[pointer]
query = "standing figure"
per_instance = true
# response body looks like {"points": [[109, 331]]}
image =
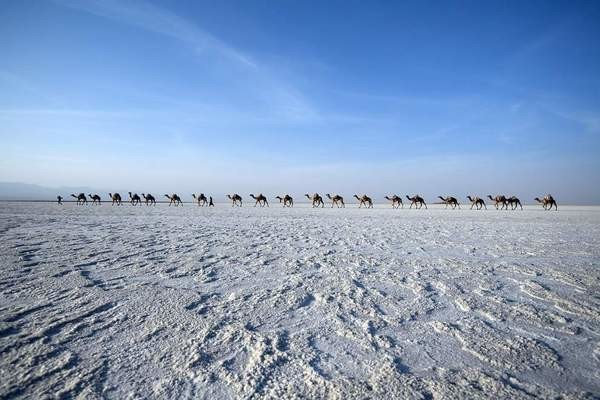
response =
{"points": [[59, 198]]}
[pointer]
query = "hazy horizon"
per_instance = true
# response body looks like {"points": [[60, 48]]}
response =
{"points": [[344, 97], [15, 191]]}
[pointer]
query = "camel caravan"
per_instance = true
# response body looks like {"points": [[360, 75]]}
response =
{"points": [[500, 202]]}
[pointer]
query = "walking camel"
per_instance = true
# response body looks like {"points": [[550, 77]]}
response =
{"points": [[396, 201], [201, 199], [261, 200], [417, 201], [364, 200], [116, 198], [336, 200], [174, 199], [236, 199], [499, 199], [135, 199], [514, 202], [81, 199], [287, 200], [95, 199], [547, 202], [149, 199], [316, 200], [477, 202], [450, 201]]}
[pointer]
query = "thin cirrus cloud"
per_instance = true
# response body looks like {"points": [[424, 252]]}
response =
{"points": [[161, 21], [281, 98]]}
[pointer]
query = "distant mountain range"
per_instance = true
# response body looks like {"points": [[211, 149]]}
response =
{"points": [[26, 191]]}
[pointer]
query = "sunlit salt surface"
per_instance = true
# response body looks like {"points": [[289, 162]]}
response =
{"points": [[255, 302]]}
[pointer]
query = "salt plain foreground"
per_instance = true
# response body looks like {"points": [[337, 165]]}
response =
{"points": [[141, 302]]}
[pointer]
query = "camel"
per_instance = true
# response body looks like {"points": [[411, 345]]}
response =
{"points": [[201, 199], [547, 202], [59, 198], [287, 200], [95, 199], [261, 200], [236, 199], [174, 199], [477, 202], [81, 199], [450, 201], [135, 199], [364, 200], [149, 199], [499, 199], [514, 202], [396, 201], [417, 201], [116, 198], [336, 200], [316, 200]]}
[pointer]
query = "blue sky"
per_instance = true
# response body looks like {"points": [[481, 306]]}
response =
{"points": [[299, 96]]}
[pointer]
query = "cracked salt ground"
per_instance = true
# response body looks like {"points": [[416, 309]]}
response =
{"points": [[113, 302]]}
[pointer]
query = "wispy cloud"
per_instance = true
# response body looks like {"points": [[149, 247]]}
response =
{"points": [[161, 21], [281, 98], [589, 120]]}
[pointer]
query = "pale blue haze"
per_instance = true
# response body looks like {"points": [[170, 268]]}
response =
{"points": [[299, 96]]}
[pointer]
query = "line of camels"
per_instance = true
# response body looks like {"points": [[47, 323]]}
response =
{"points": [[500, 201]]}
